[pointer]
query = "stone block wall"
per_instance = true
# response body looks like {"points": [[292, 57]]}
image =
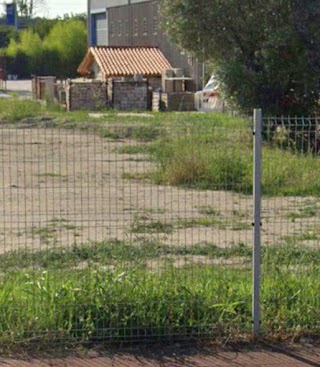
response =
{"points": [[130, 95], [91, 96]]}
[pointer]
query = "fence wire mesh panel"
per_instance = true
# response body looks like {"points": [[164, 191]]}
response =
{"points": [[291, 225], [135, 230]]}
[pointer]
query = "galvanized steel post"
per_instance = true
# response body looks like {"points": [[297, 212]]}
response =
{"points": [[257, 154]]}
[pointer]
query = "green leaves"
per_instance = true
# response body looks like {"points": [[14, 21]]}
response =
{"points": [[264, 54], [58, 53]]}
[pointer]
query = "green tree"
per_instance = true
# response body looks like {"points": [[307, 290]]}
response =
{"points": [[43, 26], [6, 34], [29, 49], [306, 20], [80, 16], [257, 51], [68, 39], [58, 53]]}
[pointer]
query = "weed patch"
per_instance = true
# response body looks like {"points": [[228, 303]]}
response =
{"points": [[47, 234], [308, 235], [137, 149], [53, 175], [209, 211], [14, 110], [308, 211], [141, 133], [220, 223], [141, 225]]}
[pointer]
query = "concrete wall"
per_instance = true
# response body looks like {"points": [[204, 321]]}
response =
{"points": [[119, 26]]}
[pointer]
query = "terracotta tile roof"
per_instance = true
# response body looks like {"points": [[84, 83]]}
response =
{"points": [[125, 61]]}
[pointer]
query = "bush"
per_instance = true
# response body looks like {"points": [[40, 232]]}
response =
{"points": [[272, 86]]}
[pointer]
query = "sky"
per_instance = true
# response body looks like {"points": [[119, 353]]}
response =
{"points": [[55, 8]]}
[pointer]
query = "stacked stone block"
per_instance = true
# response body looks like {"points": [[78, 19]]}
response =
{"points": [[130, 95], [90, 96]]}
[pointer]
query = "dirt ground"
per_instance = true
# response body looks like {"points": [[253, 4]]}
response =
{"points": [[60, 187]]}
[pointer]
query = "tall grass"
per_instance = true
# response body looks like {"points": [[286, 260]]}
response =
{"points": [[221, 158], [121, 302], [14, 110], [206, 159], [287, 173]]}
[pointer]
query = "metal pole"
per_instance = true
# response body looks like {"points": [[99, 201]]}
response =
{"points": [[257, 153]]}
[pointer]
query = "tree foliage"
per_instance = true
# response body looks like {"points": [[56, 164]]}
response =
{"points": [[58, 53], [306, 17], [25, 54], [69, 40], [43, 26], [263, 53], [6, 34]]}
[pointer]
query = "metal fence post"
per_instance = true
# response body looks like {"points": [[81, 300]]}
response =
{"points": [[257, 154]]}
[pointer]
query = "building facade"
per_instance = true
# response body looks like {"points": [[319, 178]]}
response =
{"points": [[137, 23]]}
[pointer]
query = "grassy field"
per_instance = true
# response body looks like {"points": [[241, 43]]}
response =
{"points": [[192, 149], [142, 288], [104, 291]]}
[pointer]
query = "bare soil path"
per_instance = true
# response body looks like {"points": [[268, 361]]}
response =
{"points": [[60, 187]]}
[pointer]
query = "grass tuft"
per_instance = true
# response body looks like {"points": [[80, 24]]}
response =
{"points": [[14, 110], [143, 225]]}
